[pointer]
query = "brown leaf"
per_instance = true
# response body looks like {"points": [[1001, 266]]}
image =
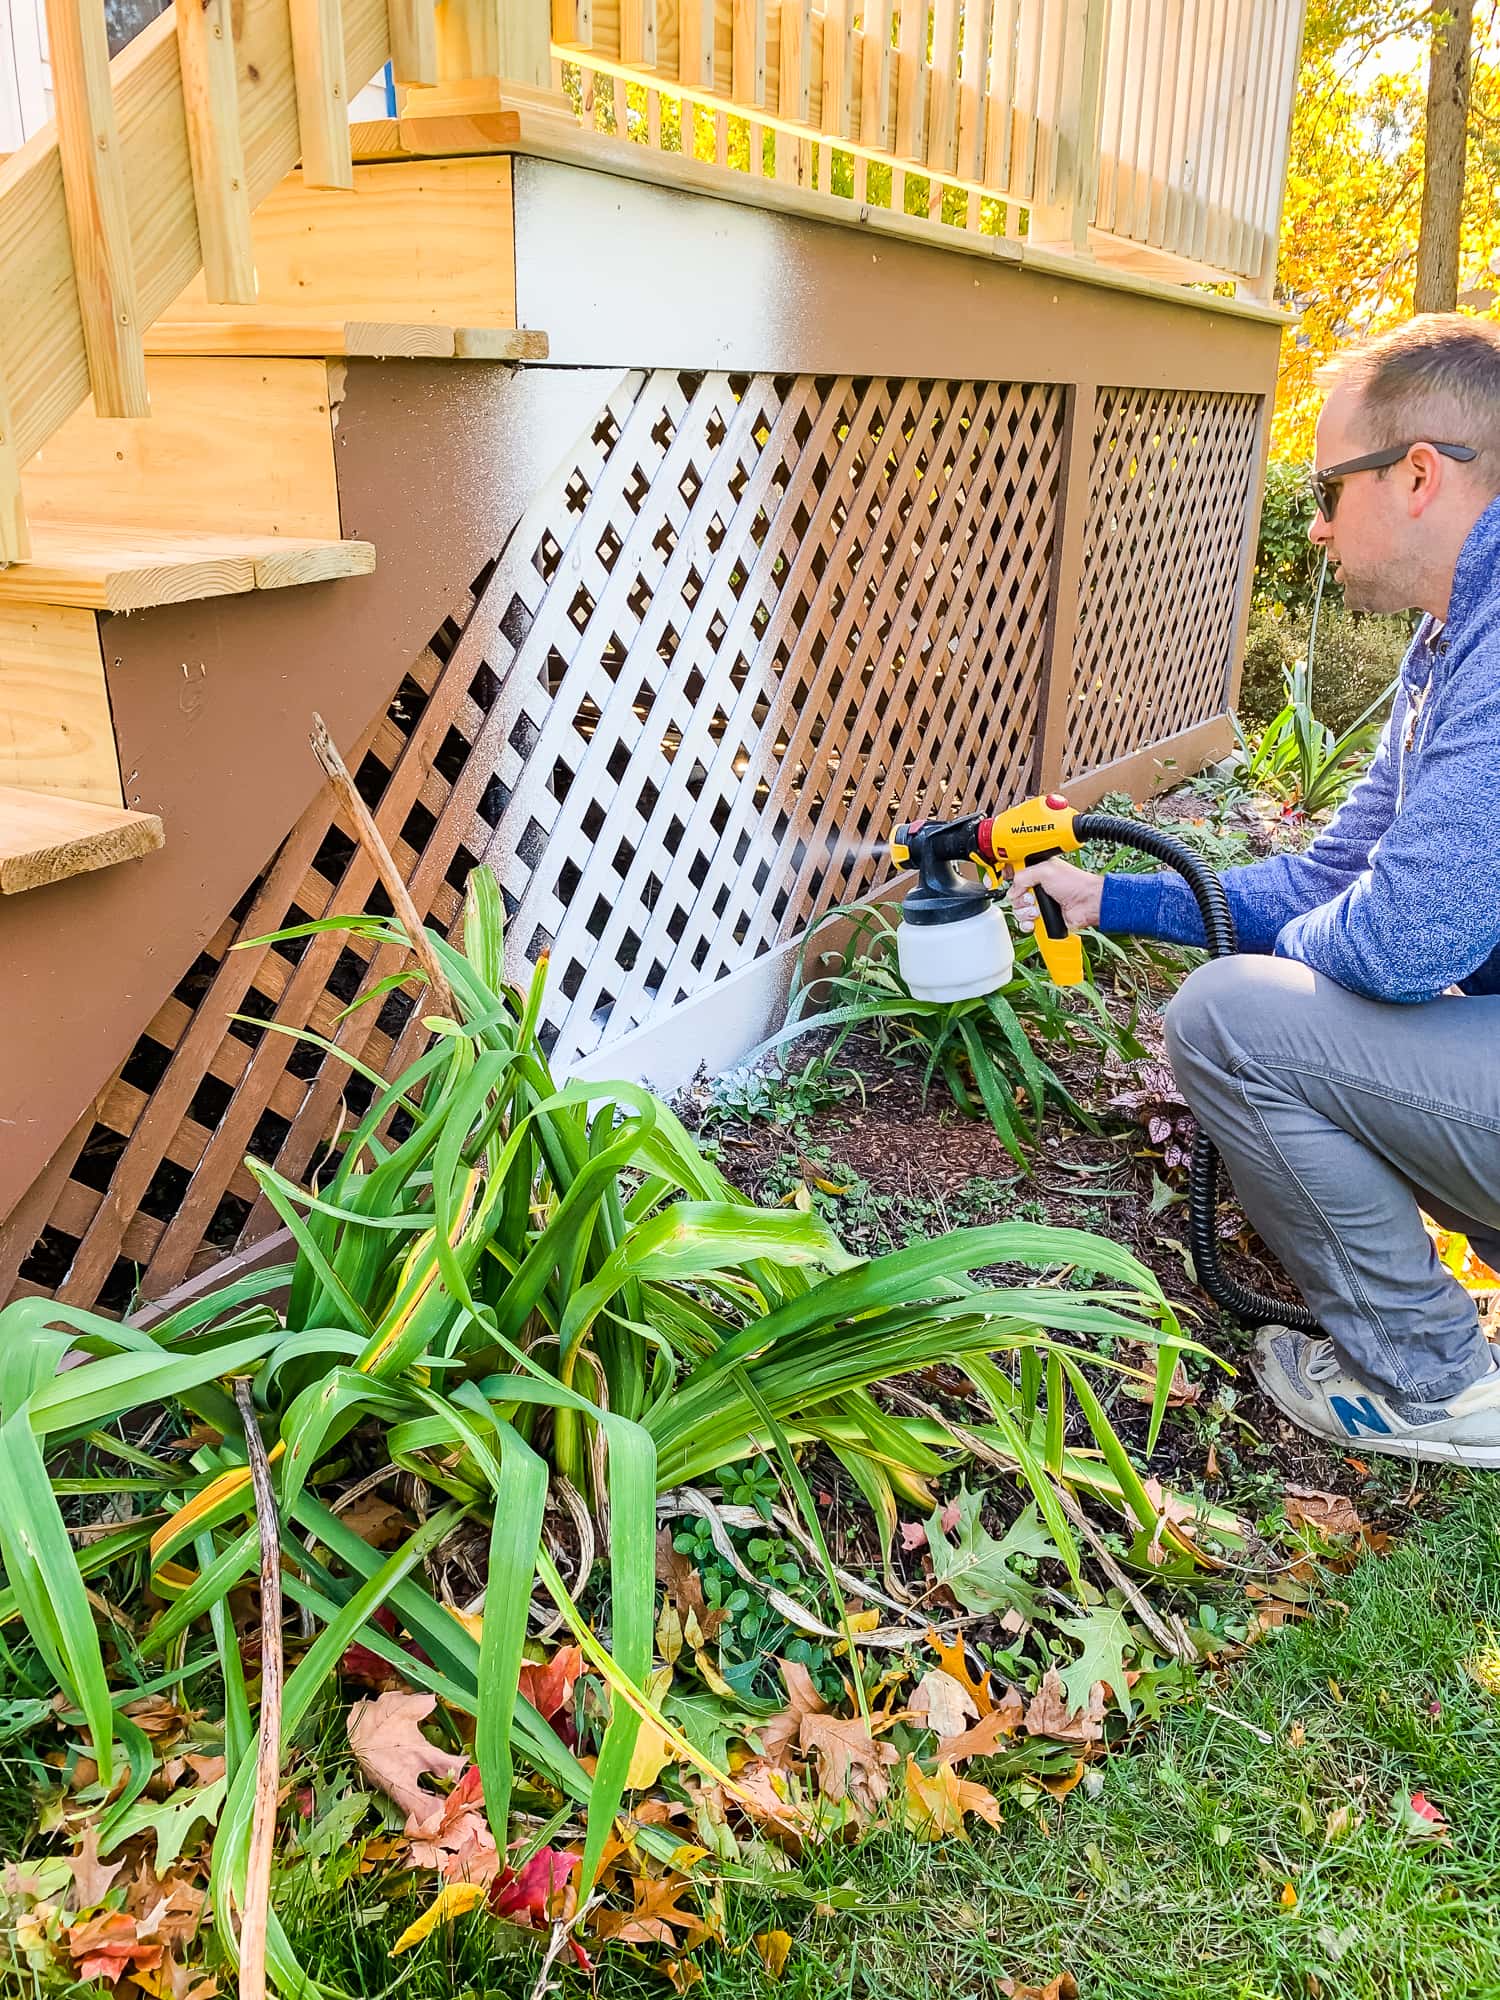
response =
{"points": [[1049, 1713], [955, 1661], [936, 1806], [684, 1587], [456, 1839], [375, 1520], [985, 1738], [656, 1918], [944, 1703], [159, 1717], [1063, 1987], [91, 1878], [850, 1763], [779, 1732], [108, 1947], [387, 1741], [1329, 1513]]}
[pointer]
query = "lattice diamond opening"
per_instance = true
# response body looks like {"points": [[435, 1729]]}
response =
{"points": [[1169, 495], [748, 624]]}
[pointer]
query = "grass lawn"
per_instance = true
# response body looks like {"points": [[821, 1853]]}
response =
{"points": [[1172, 1881]]}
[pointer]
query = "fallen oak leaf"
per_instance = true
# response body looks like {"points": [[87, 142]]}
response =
{"points": [[955, 1661], [1050, 1713], [944, 1703], [91, 1878], [456, 1839], [540, 1894], [985, 1738], [778, 1733], [549, 1687], [655, 1917], [850, 1763], [1328, 1513], [454, 1899], [386, 1738], [937, 1805], [108, 1947], [1063, 1987]]}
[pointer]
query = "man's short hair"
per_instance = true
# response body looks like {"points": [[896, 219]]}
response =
{"points": [[1436, 378]]}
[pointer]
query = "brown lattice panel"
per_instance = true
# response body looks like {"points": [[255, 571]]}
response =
{"points": [[749, 623], [1169, 496]]}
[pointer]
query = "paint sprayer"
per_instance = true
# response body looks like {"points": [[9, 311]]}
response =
{"points": [[954, 944]]}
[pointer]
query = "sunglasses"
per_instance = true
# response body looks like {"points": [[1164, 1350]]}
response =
{"points": [[1325, 485]]}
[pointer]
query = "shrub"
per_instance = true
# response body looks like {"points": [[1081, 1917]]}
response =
{"points": [[1356, 658]]}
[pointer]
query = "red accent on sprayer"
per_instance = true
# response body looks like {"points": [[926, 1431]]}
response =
{"points": [[1056, 802], [982, 838]]}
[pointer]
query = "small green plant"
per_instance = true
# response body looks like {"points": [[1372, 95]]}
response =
{"points": [[982, 1048], [748, 1095], [1299, 757]]}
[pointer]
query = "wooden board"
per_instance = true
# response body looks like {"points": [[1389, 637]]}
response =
{"points": [[429, 242], [340, 339], [231, 445], [56, 735], [46, 840], [122, 570]]}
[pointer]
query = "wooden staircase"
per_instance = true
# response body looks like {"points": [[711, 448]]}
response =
{"points": [[166, 437]]}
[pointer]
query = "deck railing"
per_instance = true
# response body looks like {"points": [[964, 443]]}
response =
{"points": [[1151, 132], [1133, 128]]}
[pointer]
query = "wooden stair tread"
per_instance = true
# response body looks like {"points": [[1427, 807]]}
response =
{"points": [[337, 339], [45, 839], [100, 568]]}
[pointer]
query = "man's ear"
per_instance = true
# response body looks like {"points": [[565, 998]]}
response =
{"points": [[1424, 470]]}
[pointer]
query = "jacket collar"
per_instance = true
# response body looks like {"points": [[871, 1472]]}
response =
{"points": [[1474, 572]]}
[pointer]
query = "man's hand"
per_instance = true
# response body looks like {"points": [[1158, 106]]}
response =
{"points": [[1076, 892]]}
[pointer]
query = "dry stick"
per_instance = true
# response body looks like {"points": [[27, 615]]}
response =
{"points": [[256, 1907], [373, 842]]}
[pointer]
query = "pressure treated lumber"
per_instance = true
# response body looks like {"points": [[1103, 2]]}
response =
{"points": [[56, 732], [336, 339], [46, 840], [426, 242], [211, 106], [232, 444], [99, 223], [114, 569]]}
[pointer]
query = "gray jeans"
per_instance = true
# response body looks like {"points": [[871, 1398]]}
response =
{"points": [[1335, 1117]]}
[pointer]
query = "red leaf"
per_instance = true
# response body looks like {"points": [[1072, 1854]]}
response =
{"points": [[1422, 1806], [529, 1899], [549, 1688]]}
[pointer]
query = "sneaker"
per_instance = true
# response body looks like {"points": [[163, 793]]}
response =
{"points": [[1307, 1382]]}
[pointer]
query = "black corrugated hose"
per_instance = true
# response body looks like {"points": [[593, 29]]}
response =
{"points": [[1249, 1307]]}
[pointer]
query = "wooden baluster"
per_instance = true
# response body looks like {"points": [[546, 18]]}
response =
{"points": [[838, 68], [875, 79], [973, 95], [413, 28], [638, 33], [88, 143], [211, 106], [911, 83], [794, 69], [322, 93], [1063, 204], [942, 94], [748, 37], [695, 43]]}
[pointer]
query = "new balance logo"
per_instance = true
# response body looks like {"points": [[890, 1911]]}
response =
{"points": [[1360, 1416]]}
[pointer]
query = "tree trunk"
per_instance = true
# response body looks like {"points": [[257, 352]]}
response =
{"points": [[1446, 145]]}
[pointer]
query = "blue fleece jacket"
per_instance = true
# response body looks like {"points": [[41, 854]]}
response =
{"points": [[1399, 897]]}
